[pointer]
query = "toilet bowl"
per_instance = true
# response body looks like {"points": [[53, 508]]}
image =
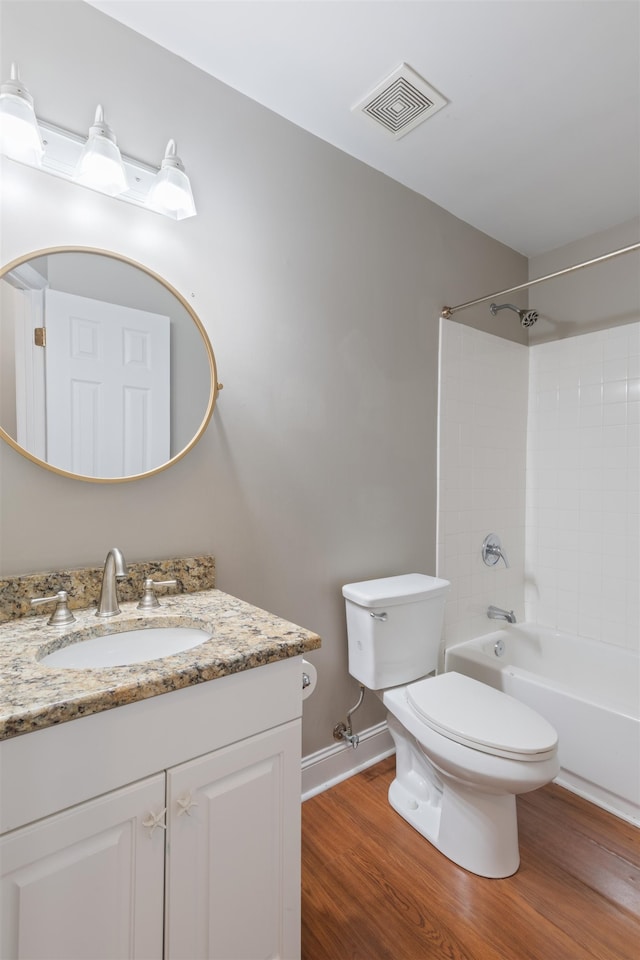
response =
{"points": [[463, 749], [463, 753]]}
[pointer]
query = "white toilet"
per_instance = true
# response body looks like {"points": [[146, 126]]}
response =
{"points": [[463, 750]]}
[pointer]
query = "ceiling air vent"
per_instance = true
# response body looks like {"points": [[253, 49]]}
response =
{"points": [[401, 102]]}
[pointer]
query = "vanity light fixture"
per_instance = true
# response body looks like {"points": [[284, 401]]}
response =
{"points": [[100, 164], [171, 193], [19, 133], [95, 162]]}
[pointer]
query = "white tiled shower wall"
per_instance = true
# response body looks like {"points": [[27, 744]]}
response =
{"points": [[549, 435], [583, 486], [481, 476]]}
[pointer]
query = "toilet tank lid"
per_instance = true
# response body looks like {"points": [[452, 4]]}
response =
{"points": [[388, 591]]}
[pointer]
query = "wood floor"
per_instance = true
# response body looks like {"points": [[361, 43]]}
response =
{"points": [[373, 889]]}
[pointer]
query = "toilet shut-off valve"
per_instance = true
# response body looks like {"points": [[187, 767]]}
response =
{"points": [[344, 731]]}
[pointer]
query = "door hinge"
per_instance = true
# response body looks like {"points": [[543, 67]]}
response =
{"points": [[40, 336]]}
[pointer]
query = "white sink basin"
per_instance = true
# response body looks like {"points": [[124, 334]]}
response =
{"points": [[130, 646]]}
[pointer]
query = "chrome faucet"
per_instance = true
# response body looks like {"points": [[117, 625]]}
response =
{"points": [[492, 550], [497, 613], [115, 568]]}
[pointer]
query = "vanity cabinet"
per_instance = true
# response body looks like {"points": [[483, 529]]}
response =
{"points": [[233, 860], [86, 884], [168, 827]]}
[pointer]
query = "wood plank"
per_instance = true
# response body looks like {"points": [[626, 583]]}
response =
{"points": [[590, 857], [618, 836], [374, 888]]}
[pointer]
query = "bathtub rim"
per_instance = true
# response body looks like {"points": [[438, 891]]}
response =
{"points": [[510, 630], [626, 807]]}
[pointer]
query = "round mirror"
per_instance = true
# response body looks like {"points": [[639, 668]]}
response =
{"points": [[106, 373]]}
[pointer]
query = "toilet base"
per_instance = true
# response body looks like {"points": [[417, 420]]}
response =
{"points": [[483, 841], [476, 830]]}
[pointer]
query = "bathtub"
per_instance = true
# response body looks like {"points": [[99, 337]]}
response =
{"points": [[589, 691]]}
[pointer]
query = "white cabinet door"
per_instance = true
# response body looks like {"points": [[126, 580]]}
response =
{"points": [[233, 860], [87, 884]]}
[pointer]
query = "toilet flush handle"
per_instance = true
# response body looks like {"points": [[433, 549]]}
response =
{"points": [[378, 616]]}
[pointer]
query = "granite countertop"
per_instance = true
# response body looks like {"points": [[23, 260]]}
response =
{"points": [[34, 696]]}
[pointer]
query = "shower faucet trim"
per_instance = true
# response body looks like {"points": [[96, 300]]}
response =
{"points": [[492, 550]]}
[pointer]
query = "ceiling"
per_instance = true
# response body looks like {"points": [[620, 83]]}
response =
{"points": [[539, 142]]}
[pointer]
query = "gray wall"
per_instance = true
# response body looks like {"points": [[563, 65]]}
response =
{"points": [[319, 281], [600, 296]]}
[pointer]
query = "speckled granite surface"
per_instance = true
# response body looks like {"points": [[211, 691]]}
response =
{"points": [[33, 696], [83, 585]]}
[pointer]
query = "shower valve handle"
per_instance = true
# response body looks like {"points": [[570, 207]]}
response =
{"points": [[492, 551]]}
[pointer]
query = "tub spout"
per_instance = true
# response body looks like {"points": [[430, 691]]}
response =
{"points": [[497, 613]]}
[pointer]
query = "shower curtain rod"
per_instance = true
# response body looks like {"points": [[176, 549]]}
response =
{"points": [[447, 312]]}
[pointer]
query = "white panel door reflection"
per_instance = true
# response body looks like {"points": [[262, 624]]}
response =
{"points": [[107, 387]]}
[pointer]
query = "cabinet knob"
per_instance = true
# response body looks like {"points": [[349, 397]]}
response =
{"points": [[153, 820], [186, 803]]}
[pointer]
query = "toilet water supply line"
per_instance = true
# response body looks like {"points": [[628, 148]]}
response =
{"points": [[344, 731]]}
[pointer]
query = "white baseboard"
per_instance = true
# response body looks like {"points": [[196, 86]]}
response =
{"points": [[329, 766]]}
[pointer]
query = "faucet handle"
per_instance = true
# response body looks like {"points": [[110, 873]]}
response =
{"points": [[149, 599], [492, 550], [61, 615]]}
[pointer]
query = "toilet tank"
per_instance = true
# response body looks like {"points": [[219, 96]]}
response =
{"points": [[394, 626]]}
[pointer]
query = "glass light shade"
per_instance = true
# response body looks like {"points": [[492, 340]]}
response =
{"points": [[100, 165], [19, 134], [170, 193]]}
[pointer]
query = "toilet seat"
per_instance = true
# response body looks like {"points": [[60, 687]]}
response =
{"points": [[480, 717]]}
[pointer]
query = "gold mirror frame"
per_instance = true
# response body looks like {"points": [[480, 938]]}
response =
{"points": [[215, 386]]}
